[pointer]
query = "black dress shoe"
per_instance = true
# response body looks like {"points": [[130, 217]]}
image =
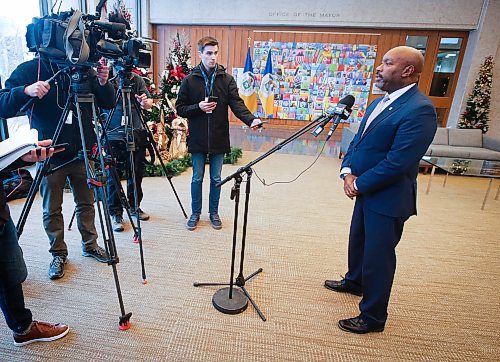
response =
{"points": [[56, 268], [357, 325], [341, 286]]}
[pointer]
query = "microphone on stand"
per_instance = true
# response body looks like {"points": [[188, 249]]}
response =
{"points": [[323, 120], [342, 111]]}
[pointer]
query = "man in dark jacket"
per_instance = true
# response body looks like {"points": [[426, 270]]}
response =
{"points": [[204, 97], [13, 271], [117, 136], [28, 81]]}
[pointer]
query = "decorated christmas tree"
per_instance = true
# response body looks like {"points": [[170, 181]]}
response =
{"points": [[177, 66], [476, 114]]}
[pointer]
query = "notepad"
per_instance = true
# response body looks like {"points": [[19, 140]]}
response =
{"points": [[14, 147]]}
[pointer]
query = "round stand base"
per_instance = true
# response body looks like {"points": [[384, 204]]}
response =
{"points": [[237, 304]]}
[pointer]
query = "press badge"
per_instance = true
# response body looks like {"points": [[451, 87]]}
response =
{"points": [[69, 119], [124, 120]]}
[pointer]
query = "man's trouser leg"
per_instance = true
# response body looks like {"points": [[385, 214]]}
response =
{"points": [[84, 200], [51, 190], [216, 161], [12, 273], [198, 161], [382, 234]]}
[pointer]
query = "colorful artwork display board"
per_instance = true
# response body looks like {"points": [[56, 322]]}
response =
{"points": [[309, 78]]}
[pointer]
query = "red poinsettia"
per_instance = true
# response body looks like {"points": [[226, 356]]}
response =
{"points": [[177, 73]]}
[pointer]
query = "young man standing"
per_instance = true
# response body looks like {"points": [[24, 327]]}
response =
{"points": [[204, 97]]}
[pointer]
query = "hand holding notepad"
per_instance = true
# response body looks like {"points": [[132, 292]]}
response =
{"points": [[25, 146]]}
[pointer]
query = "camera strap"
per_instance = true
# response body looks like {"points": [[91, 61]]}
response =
{"points": [[75, 23]]}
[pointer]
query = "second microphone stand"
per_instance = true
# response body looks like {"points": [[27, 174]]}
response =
{"points": [[229, 300]]}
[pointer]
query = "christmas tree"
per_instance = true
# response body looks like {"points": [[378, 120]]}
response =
{"points": [[177, 66], [476, 114]]}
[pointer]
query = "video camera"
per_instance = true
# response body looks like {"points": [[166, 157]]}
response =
{"points": [[75, 39]]}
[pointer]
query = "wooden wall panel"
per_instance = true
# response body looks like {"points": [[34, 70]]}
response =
{"points": [[233, 45]]}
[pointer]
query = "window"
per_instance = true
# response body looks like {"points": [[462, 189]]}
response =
{"points": [[13, 20], [417, 42], [446, 64]]}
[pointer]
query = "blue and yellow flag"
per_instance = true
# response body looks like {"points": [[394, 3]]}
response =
{"points": [[266, 91], [247, 90]]}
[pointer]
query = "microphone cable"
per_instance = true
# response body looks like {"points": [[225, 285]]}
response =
{"points": [[263, 181]]}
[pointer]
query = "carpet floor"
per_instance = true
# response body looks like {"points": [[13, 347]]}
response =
{"points": [[444, 305]]}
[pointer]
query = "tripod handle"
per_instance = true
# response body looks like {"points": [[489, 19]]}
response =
{"points": [[28, 104]]}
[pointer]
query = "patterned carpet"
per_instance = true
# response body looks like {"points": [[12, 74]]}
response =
{"points": [[444, 304]]}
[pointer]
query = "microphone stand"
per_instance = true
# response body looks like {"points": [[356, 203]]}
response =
{"points": [[229, 300]]}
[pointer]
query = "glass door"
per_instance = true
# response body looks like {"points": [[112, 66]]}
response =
{"points": [[443, 53]]}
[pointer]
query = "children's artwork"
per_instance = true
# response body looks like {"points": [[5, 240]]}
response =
{"points": [[312, 77]]}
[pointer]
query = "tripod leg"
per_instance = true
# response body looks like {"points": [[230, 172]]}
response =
{"points": [[41, 172], [131, 149], [157, 153], [72, 219], [101, 197], [195, 284], [253, 274], [253, 303]]}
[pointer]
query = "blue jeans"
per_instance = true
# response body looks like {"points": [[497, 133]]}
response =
{"points": [[12, 273], [215, 161]]}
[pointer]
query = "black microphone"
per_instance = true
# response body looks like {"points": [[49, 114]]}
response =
{"points": [[342, 111], [322, 120]]}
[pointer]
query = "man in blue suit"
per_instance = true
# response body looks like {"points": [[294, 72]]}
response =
{"points": [[380, 171]]}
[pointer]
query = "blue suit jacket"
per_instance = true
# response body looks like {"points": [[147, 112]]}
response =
{"points": [[385, 158]]}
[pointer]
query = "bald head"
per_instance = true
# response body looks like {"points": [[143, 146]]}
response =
{"points": [[409, 56], [401, 66]]}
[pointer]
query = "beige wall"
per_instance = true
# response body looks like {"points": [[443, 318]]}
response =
{"points": [[482, 42], [481, 17], [423, 14]]}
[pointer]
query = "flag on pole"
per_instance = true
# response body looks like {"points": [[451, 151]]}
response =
{"points": [[247, 89], [266, 92]]}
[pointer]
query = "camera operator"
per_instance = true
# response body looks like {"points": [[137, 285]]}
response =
{"points": [[13, 270], [28, 80], [117, 136]]}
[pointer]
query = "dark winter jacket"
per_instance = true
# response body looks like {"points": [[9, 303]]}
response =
{"points": [[45, 113], [209, 133]]}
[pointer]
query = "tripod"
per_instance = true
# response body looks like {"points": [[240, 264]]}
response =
{"points": [[124, 74], [229, 300], [80, 94], [123, 98]]}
